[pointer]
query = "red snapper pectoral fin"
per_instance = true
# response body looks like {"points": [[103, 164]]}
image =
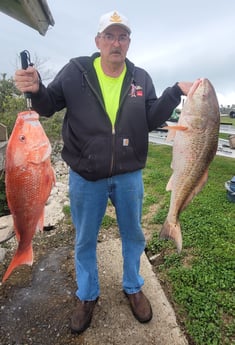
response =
{"points": [[21, 258], [41, 154]]}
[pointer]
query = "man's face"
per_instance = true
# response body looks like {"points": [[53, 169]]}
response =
{"points": [[113, 44]]}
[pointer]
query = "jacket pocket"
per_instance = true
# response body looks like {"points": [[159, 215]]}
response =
{"points": [[95, 158], [129, 156]]}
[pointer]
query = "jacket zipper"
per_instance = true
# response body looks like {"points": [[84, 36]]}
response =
{"points": [[113, 146], [113, 128], [114, 133]]}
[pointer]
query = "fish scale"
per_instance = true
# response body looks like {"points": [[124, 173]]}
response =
{"points": [[195, 144]]}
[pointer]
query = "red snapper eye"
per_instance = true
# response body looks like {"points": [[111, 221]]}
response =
{"points": [[22, 138]]}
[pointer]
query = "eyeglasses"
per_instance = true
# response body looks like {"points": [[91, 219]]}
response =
{"points": [[110, 38]]}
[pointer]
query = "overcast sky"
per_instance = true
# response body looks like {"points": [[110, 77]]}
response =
{"points": [[173, 40]]}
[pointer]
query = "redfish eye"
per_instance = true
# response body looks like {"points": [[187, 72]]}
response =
{"points": [[22, 138]]}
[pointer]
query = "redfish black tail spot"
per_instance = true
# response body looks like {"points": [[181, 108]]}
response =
{"points": [[172, 231]]}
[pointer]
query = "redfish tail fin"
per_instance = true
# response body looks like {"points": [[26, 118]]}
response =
{"points": [[20, 258], [172, 231]]}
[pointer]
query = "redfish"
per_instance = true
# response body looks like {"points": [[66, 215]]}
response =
{"points": [[29, 178], [195, 145]]}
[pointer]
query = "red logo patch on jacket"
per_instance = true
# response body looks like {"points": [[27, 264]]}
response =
{"points": [[136, 91]]}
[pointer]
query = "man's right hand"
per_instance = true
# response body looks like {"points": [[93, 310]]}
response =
{"points": [[27, 80]]}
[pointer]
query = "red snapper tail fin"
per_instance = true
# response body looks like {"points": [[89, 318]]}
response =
{"points": [[21, 258]]}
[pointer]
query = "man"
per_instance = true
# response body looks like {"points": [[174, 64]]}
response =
{"points": [[111, 107]]}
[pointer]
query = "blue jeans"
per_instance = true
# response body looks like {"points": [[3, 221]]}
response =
{"points": [[88, 204]]}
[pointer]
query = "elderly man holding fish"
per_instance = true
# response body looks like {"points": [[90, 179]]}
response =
{"points": [[111, 106]]}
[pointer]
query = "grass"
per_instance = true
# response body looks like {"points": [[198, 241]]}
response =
{"points": [[201, 280], [226, 120]]}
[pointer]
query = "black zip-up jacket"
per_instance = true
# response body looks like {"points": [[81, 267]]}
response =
{"points": [[92, 147]]}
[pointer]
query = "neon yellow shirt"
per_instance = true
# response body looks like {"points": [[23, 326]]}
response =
{"points": [[111, 89]]}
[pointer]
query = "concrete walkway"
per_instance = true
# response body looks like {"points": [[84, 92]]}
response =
{"points": [[113, 322]]}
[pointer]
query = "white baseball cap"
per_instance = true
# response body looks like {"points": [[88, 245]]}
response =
{"points": [[113, 18]]}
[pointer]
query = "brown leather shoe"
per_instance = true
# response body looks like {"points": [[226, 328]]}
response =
{"points": [[140, 306], [82, 315]]}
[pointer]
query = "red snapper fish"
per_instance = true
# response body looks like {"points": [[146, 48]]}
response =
{"points": [[195, 145], [29, 178]]}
